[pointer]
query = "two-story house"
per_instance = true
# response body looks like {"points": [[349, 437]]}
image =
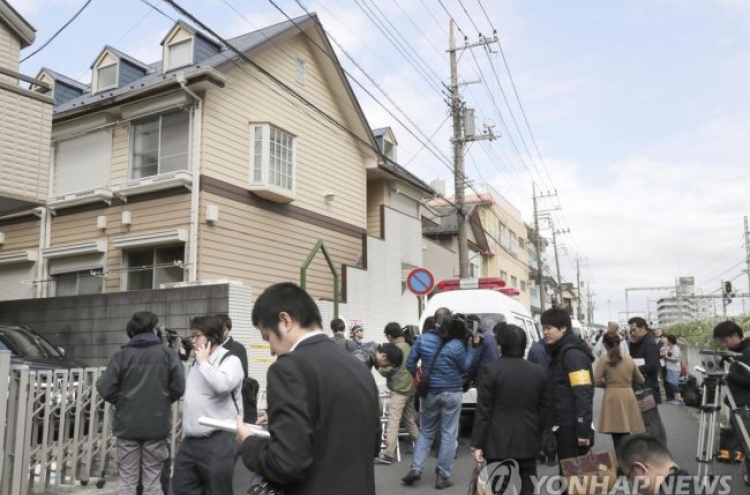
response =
{"points": [[25, 123]]}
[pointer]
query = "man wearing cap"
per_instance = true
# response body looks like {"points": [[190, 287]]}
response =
{"points": [[357, 333]]}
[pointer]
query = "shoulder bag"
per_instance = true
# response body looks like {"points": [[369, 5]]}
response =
{"points": [[423, 385], [590, 473]]}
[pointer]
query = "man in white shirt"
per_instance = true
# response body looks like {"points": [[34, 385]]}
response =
{"points": [[205, 460], [613, 328]]}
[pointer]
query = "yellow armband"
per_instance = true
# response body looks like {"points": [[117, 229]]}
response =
{"points": [[577, 378]]}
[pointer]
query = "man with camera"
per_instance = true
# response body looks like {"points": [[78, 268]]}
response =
{"points": [[445, 353], [729, 334], [142, 380]]}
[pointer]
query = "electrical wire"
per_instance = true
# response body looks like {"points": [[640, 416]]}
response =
{"points": [[450, 16], [62, 28], [486, 16], [461, 3]]}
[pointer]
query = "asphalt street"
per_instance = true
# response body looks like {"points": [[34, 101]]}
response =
{"points": [[681, 424]]}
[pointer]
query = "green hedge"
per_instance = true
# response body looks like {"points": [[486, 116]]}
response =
{"points": [[699, 333]]}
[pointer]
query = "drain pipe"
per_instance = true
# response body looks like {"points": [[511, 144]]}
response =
{"points": [[192, 255]]}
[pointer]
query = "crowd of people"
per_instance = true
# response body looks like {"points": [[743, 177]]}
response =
{"points": [[534, 400]]}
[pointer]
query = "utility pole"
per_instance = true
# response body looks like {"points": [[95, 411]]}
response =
{"points": [[590, 308], [579, 299], [557, 263], [461, 135], [747, 252], [538, 242]]}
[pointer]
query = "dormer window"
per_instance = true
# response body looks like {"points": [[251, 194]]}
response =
{"points": [[106, 77], [179, 54]]}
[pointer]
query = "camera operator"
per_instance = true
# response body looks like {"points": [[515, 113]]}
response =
{"points": [[447, 350], [730, 336], [181, 345]]}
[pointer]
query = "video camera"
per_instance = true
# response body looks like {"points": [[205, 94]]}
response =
{"points": [[713, 361], [455, 326], [172, 337], [366, 353]]}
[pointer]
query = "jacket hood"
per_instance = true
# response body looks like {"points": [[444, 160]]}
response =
{"points": [[570, 341], [742, 345], [143, 340]]}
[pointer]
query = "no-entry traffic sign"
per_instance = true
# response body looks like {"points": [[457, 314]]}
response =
{"points": [[420, 281]]}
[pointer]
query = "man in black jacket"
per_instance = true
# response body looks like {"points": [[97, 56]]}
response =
{"points": [[142, 380], [645, 352], [571, 382], [730, 335], [322, 404]]}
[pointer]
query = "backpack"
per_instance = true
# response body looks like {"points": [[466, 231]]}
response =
{"points": [[249, 390]]}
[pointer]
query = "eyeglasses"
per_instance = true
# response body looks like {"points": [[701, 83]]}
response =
{"points": [[196, 336]]}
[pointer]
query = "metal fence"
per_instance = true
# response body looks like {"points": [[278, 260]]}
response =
{"points": [[56, 429]]}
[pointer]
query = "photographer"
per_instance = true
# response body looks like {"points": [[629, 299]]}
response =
{"points": [[446, 351], [181, 345], [730, 336]]}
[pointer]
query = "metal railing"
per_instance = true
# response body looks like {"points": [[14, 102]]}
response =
{"points": [[55, 428]]}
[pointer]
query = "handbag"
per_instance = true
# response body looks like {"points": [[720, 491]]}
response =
{"points": [[590, 473], [265, 488], [479, 485], [646, 400]]}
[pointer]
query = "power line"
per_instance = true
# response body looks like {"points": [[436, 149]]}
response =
{"points": [[452, 19], [485, 15], [62, 28], [461, 3]]}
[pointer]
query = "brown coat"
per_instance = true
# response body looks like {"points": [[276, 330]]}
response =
{"points": [[620, 413]]}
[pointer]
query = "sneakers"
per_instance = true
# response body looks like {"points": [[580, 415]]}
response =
{"points": [[411, 477], [675, 402], [383, 459], [442, 482]]}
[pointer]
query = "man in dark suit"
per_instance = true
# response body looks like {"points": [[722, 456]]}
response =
{"points": [[512, 407], [310, 452], [645, 352]]}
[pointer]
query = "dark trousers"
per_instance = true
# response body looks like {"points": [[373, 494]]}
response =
{"points": [[526, 471], [617, 439], [205, 465], [654, 426], [548, 443], [566, 439]]}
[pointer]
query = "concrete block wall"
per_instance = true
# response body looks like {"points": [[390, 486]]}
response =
{"points": [[91, 328]]}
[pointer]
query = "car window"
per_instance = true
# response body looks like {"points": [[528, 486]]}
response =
{"points": [[487, 321], [26, 344]]}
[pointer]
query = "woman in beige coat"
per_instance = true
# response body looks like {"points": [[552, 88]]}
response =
{"points": [[616, 373]]}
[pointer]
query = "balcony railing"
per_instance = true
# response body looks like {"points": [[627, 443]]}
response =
{"points": [[25, 126]]}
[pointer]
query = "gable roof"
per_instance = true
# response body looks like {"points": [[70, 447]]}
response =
{"points": [[64, 79], [17, 24], [187, 27], [121, 55]]}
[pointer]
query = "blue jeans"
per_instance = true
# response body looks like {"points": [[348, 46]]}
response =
{"points": [[441, 410]]}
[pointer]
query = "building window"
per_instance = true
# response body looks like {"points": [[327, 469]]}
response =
{"points": [[523, 286], [513, 281], [301, 71], [180, 54], [77, 283], [273, 158], [160, 145], [503, 275], [106, 77], [149, 268]]}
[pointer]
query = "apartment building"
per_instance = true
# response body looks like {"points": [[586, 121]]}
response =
{"points": [[25, 126], [199, 166]]}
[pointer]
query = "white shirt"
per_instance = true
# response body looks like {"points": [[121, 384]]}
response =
{"points": [[600, 351], [209, 390]]}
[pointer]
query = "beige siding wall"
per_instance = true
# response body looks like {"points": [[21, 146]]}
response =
{"points": [[261, 248], [25, 125], [376, 196], [10, 47], [147, 216], [20, 236], [120, 145], [323, 151]]}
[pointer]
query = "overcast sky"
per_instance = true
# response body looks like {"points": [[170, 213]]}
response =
{"points": [[640, 112]]}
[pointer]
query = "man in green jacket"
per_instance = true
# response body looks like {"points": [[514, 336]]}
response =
{"points": [[142, 380], [390, 360]]}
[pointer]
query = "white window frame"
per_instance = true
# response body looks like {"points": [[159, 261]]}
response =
{"points": [[131, 149], [300, 71], [261, 178], [170, 65], [99, 87]]}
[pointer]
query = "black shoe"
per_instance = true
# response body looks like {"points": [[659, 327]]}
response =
{"points": [[541, 458], [411, 477], [383, 459], [551, 461], [442, 482]]}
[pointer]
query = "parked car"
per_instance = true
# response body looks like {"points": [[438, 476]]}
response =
{"points": [[29, 348]]}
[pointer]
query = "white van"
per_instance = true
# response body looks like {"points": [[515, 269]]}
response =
{"points": [[491, 306]]}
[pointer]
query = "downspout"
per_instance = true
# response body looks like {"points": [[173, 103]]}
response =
{"points": [[45, 229], [195, 191]]}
